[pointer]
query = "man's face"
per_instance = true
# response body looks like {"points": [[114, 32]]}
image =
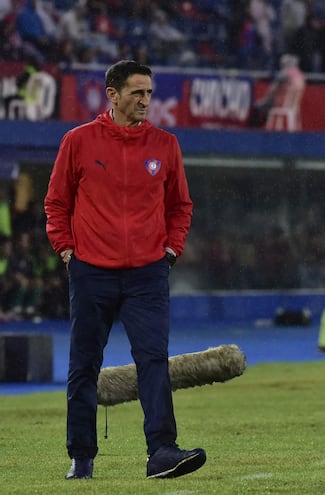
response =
{"points": [[131, 104]]}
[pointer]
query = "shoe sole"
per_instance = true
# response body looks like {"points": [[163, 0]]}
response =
{"points": [[78, 477], [80, 472], [186, 466]]}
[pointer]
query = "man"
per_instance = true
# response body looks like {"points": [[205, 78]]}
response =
{"points": [[118, 212], [282, 102]]}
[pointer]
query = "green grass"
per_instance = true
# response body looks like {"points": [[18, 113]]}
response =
{"points": [[264, 433]]}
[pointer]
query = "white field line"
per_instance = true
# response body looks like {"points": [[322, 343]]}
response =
{"points": [[256, 476], [181, 492]]}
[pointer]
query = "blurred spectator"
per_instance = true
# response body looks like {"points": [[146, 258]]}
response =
{"points": [[238, 9], [30, 27], [263, 16], [101, 22], [22, 291], [88, 54], [23, 195], [138, 14], [92, 33], [11, 44], [124, 51], [63, 5], [141, 54], [5, 214], [30, 219], [188, 9], [107, 37], [6, 278], [30, 67], [317, 7], [167, 41], [207, 55], [321, 40], [74, 24], [55, 296], [138, 9], [305, 44], [66, 53], [293, 15], [47, 14], [248, 53], [282, 102], [6, 8]]}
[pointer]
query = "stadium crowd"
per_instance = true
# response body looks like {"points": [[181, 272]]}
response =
{"points": [[244, 34], [33, 283]]}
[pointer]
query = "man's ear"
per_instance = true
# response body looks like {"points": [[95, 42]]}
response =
{"points": [[111, 94]]}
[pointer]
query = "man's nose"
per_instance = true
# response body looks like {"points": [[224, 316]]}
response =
{"points": [[145, 99]]}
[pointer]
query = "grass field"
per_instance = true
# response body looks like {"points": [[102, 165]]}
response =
{"points": [[264, 433]]}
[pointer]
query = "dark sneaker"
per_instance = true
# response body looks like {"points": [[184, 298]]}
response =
{"points": [[171, 462], [80, 468]]}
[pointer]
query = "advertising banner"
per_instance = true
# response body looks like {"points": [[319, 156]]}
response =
{"points": [[184, 99], [178, 100]]}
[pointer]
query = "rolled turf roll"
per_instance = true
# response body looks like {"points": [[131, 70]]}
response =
{"points": [[217, 364]]}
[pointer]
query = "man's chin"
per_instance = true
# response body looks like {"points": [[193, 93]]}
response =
{"points": [[141, 115]]}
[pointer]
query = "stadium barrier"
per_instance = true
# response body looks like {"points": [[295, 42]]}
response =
{"points": [[247, 306], [26, 357]]}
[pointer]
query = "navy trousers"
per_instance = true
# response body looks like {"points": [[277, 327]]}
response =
{"points": [[140, 298]]}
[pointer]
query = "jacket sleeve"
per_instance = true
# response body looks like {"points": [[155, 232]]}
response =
{"points": [[59, 200], [178, 204]]}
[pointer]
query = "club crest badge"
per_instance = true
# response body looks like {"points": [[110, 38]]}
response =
{"points": [[152, 166]]}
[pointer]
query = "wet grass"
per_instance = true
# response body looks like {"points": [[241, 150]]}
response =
{"points": [[264, 433]]}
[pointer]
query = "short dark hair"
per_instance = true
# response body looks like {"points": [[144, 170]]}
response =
{"points": [[118, 73]]}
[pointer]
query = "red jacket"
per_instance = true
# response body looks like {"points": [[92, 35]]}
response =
{"points": [[118, 195]]}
